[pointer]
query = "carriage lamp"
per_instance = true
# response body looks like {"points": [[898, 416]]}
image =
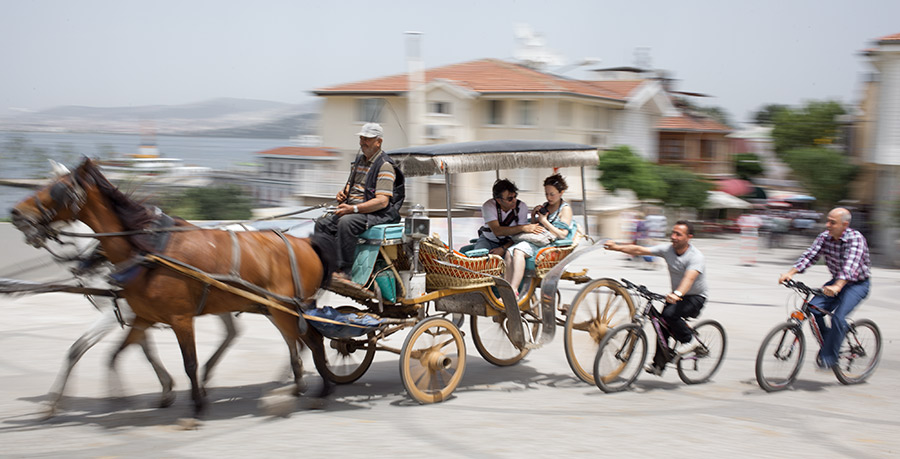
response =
{"points": [[417, 225]]}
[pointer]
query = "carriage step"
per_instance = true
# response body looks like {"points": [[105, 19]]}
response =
{"points": [[533, 345]]}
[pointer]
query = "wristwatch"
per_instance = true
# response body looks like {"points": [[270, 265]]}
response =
{"points": [[678, 294], [355, 209]]}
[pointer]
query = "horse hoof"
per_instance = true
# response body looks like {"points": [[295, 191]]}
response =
{"points": [[278, 404], [188, 423], [48, 413]]}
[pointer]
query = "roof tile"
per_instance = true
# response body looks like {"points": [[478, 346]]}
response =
{"points": [[492, 76]]}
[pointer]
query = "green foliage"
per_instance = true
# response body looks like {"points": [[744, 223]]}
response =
{"points": [[766, 115], [824, 172], [810, 126], [717, 113], [623, 169], [674, 186], [747, 165], [211, 203], [683, 188]]}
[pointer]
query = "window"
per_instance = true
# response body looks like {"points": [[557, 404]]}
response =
{"points": [[526, 113], [707, 149], [368, 110], [565, 113], [672, 149], [439, 108], [495, 112], [598, 120]]}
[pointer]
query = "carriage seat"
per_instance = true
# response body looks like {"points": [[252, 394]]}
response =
{"points": [[380, 235], [557, 250]]}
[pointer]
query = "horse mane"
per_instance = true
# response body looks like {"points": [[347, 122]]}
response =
{"points": [[132, 214]]}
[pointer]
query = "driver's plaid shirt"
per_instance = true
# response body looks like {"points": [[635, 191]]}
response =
{"points": [[847, 258]]}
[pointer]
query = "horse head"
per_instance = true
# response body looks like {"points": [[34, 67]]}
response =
{"points": [[60, 201]]}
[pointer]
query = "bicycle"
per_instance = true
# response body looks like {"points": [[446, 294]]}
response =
{"points": [[781, 352], [623, 350]]}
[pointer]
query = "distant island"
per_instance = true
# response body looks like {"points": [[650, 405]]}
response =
{"points": [[224, 117]]}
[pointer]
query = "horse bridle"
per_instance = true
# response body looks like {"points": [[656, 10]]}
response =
{"points": [[66, 194]]}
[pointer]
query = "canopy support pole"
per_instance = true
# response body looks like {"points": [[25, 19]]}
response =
{"points": [[587, 231], [449, 188]]}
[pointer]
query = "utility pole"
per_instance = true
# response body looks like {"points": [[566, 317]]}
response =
{"points": [[415, 186]]}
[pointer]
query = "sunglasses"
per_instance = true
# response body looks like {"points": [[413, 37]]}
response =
{"points": [[509, 198]]}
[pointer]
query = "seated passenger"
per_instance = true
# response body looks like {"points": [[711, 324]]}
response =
{"points": [[504, 216], [372, 196], [555, 220]]}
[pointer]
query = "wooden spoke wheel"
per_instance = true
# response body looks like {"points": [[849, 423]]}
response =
{"points": [[347, 359], [491, 337], [600, 306], [432, 360]]}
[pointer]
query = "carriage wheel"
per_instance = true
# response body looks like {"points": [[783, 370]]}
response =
{"points": [[492, 341], [600, 306], [347, 359], [432, 360]]}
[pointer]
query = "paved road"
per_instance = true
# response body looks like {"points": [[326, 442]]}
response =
{"points": [[534, 409]]}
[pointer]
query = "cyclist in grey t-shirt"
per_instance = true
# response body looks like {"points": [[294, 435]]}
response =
{"points": [[687, 271]]}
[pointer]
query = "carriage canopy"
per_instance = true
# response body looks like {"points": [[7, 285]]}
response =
{"points": [[489, 155]]}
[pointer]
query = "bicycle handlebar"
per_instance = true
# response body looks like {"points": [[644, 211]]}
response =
{"points": [[803, 288], [643, 291]]}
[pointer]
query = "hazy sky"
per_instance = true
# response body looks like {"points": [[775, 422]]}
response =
{"points": [[124, 53]]}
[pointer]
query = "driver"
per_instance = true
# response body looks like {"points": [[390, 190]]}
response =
{"points": [[372, 196]]}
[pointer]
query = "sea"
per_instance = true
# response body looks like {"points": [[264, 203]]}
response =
{"points": [[25, 154]]}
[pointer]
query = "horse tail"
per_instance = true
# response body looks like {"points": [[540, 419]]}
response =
{"points": [[326, 249]]}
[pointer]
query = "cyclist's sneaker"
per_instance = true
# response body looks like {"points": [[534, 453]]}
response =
{"points": [[688, 347], [653, 370], [821, 366]]}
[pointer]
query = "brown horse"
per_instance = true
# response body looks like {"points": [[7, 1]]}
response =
{"points": [[161, 295]]}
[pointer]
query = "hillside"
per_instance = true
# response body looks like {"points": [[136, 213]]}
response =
{"points": [[220, 117]]}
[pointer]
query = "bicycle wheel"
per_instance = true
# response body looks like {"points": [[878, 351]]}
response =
{"points": [[599, 306], [779, 357], [699, 365], [860, 353], [620, 358]]}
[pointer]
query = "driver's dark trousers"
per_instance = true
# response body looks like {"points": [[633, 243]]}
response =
{"points": [[345, 232]]}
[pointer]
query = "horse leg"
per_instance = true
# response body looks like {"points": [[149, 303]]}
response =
{"points": [[165, 379], [100, 328], [316, 344], [136, 334], [290, 331], [183, 327], [230, 334]]}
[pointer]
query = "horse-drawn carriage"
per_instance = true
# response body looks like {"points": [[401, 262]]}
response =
{"points": [[420, 282], [403, 278]]}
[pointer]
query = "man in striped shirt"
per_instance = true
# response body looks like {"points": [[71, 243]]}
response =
{"points": [[366, 200], [847, 257]]}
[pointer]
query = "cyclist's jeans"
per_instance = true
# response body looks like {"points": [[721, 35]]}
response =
{"points": [[840, 306], [673, 314]]}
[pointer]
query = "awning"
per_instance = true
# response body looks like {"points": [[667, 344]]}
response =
{"points": [[721, 200]]}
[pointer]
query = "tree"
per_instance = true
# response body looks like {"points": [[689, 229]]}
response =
{"points": [[766, 115], [747, 165], [716, 113], [810, 126], [620, 168], [683, 188], [825, 173], [212, 203]]}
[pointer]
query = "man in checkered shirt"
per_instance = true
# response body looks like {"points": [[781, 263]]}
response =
{"points": [[847, 257]]}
